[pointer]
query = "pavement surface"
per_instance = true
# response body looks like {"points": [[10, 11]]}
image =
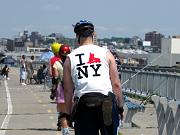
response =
{"points": [[27, 110], [144, 123]]}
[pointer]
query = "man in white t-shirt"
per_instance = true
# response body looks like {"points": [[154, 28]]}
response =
{"points": [[90, 73]]}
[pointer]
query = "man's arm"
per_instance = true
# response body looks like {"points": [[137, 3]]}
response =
{"points": [[68, 85], [115, 81]]}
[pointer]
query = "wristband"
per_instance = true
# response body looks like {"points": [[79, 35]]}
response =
{"points": [[120, 110]]}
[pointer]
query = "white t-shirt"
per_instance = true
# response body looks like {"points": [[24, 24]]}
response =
{"points": [[90, 70]]}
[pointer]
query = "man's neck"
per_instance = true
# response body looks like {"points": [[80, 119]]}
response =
{"points": [[86, 41]]}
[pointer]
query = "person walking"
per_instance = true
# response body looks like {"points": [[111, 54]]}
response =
{"points": [[30, 70], [23, 70], [40, 76], [58, 74], [90, 74]]}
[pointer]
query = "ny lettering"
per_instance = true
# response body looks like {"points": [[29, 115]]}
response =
{"points": [[83, 68]]}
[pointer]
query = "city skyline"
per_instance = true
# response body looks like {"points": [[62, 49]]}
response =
{"points": [[118, 18]]}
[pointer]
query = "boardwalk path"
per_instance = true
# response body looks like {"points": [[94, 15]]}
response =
{"points": [[31, 112]]}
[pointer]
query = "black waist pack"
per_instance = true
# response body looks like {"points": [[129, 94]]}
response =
{"points": [[92, 99]]}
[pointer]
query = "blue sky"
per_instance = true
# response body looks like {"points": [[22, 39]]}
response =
{"points": [[120, 18]]}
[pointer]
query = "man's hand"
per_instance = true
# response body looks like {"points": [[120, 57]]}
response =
{"points": [[121, 112]]}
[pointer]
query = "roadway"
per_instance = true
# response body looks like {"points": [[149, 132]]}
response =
{"points": [[26, 110]]}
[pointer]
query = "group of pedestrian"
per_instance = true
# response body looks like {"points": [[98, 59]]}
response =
{"points": [[27, 71], [86, 86]]}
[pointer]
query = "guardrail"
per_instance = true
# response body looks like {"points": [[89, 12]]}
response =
{"points": [[168, 115], [164, 84]]}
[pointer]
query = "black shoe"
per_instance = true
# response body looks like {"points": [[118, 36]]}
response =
{"points": [[53, 95], [58, 128]]}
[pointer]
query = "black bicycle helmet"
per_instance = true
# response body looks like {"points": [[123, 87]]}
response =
{"points": [[84, 28]]}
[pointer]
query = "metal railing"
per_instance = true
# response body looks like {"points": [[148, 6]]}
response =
{"points": [[165, 84]]}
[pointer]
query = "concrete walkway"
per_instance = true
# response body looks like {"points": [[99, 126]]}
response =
{"points": [[145, 123], [27, 110]]}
